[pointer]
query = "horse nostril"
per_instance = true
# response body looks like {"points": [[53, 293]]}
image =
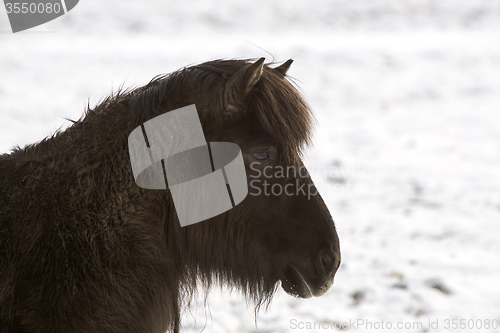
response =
{"points": [[327, 261]]}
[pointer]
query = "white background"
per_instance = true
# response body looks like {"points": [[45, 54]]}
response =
{"points": [[407, 142]]}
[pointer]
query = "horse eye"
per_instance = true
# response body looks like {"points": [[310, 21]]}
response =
{"points": [[261, 156]]}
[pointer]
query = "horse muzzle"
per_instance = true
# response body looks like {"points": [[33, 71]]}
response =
{"points": [[313, 279]]}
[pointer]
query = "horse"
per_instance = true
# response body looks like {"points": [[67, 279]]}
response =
{"points": [[84, 249]]}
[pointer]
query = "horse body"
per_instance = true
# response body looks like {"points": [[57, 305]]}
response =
{"points": [[84, 249]]}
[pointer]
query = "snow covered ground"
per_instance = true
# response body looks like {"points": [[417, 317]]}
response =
{"points": [[407, 143]]}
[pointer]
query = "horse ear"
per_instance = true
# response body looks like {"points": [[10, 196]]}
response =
{"points": [[283, 68], [240, 84]]}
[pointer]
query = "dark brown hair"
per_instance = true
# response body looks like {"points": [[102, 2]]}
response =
{"points": [[84, 249]]}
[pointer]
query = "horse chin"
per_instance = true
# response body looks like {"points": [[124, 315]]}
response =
{"points": [[294, 283]]}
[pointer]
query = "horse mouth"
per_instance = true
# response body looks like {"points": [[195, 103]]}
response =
{"points": [[294, 283]]}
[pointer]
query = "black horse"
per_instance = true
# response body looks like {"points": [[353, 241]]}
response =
{"points": [[84, 249]]}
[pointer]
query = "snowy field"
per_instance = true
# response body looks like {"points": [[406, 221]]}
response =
{"points": [[407, 142]]}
